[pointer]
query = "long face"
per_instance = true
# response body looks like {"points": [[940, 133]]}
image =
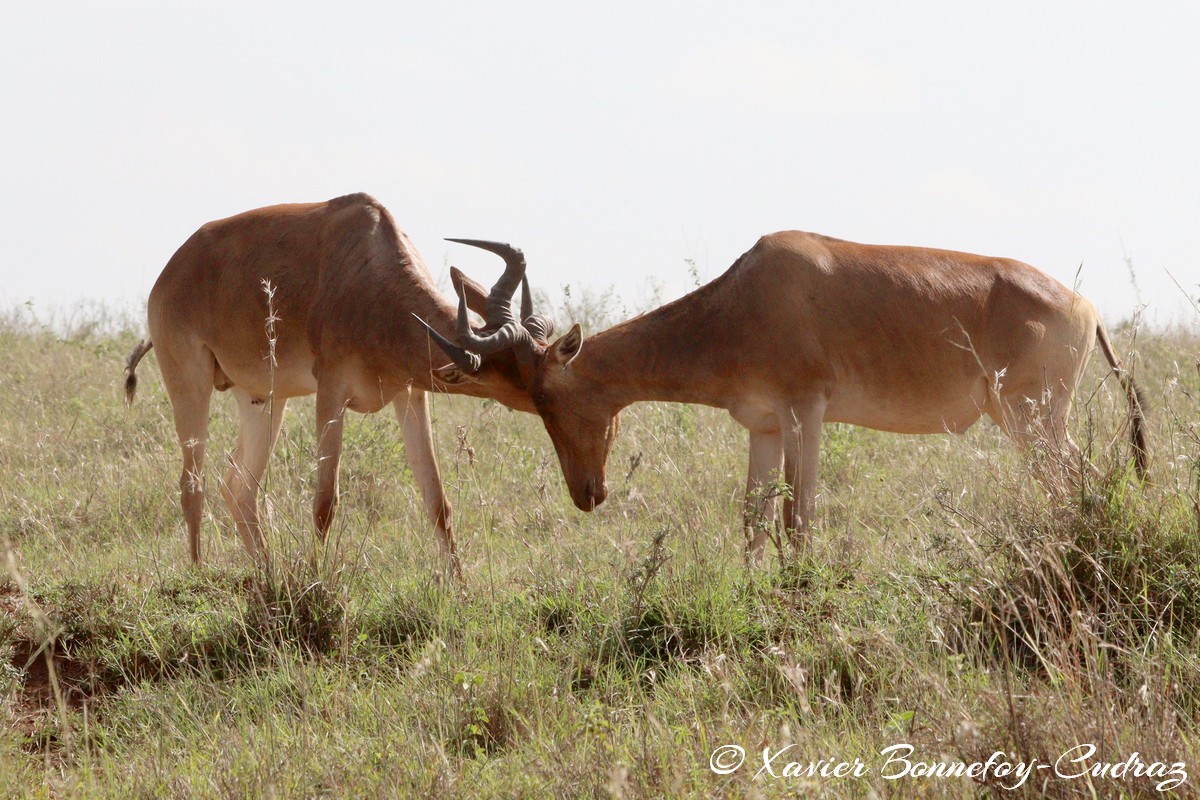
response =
{"points": [[581, 422], [509, 360]]}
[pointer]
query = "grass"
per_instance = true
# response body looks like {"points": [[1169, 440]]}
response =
{"points": [[946, 603]]}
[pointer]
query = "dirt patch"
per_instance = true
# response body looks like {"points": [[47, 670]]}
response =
{"points": [[48, 678], [76, 683], [44, 677]]}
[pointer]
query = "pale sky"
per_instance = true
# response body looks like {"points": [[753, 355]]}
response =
{"points": [[612, 141]]}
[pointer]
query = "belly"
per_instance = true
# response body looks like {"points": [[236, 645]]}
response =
{"points": [[289, 376], [948, 407]]}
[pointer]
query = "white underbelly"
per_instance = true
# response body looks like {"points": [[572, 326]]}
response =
{"points": [[951, 409]]}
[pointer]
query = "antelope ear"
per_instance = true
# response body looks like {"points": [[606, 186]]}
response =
{"points": [[452, 375], [476, 294], [564, 350]]}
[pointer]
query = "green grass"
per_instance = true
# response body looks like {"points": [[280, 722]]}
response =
{"points": [[946, 602]]}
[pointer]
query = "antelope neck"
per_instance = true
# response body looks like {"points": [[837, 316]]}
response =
{"points": [[677, 353]]}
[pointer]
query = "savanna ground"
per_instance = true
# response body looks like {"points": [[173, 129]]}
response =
{"points": [[945, 603]]}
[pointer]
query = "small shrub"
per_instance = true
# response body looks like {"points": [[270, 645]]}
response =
{"points": [[293, 606], [1052, 587]]}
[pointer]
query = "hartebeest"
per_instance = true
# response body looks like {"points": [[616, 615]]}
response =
{"points": [[345, 282], [805, 329]]}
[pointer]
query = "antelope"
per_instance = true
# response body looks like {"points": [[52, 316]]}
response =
{"points": [[805, 329], [289, 300]]}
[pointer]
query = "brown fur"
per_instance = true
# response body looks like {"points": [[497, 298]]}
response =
{"points": [[805, 329], [345, 282]]}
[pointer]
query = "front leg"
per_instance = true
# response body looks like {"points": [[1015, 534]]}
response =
{"points": [[412, 410], [331, 413], [801, 423], [758, 513]]}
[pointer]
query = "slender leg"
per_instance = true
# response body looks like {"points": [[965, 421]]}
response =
{"points": [[801, 425], [258, 429], [188, 382], [1036, 421], [331, 412], [758, 513], [191, 425], [413, 413], [1067, 457]]}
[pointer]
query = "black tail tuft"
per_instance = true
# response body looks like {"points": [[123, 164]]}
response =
{"points": [[131, 369], [1137, 405], [1137, 428]]}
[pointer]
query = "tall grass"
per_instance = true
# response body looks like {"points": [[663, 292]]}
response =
{"points": [[946, 603]]}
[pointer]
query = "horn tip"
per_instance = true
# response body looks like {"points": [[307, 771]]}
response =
{"points": [[485, 244]]}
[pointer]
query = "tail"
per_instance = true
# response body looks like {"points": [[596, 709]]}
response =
{"points": [[131, 369], [1137, 405]]}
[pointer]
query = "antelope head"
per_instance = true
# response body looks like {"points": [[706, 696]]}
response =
{"points": [[581, 422], [498, 354], [580, 416]]}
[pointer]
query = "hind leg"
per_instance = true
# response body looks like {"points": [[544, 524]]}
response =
{"points": [[191, 424], [1036, 421], [188, 381], [258, 428]]}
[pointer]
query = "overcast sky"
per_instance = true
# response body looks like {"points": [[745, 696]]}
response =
{"points": [[613, 141]]}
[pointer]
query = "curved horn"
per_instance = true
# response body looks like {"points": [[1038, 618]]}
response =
{"points": [[537, 325], [463, 359], [462, 329], [508, 335], [499, 310], [526, 299]]}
